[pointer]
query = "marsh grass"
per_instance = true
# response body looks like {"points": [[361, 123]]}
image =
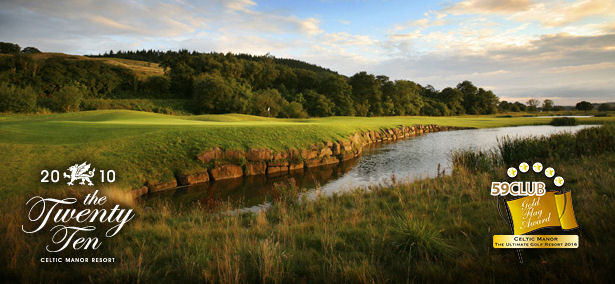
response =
{"points": [[485, 161], [560, 146], [590, 141], [286, 191], [418, 239]]}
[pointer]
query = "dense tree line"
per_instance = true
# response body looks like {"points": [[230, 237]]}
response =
{"points": [[158, 56], [60, 83], [223, 83]]}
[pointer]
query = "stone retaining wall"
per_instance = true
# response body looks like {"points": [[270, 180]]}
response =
{"points": [[219, 164]]}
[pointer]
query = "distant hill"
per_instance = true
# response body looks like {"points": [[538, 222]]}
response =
{"points": [[157, 56], [292, 63], [184, 81], [140, 68]]}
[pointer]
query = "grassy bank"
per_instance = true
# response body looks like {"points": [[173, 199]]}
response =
{"points": [[142, 146], [431, 230]]}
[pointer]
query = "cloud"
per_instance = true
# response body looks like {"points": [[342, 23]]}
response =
{"points": [[310, 26], [157, 21], [561, 66], [108, 23], [488, 6], [431, 19], [582, 67], [344, 38], [552, 13], [344, 22], [563, 13], [241, 5], [68, 18], [474, 36]]}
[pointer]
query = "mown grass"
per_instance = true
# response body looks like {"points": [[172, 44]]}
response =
{"points": [[556, 113], [143, 146], [428, 231]]}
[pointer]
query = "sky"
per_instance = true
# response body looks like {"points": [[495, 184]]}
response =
{"points": [[562, 50]]}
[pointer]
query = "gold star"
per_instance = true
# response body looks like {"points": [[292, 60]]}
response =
{"points": [[523, 167], [559, 181]]}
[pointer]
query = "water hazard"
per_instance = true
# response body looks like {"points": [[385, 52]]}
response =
{"points": [[408, 159]]}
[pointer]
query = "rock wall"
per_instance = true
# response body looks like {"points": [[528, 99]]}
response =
{"points": [[219, 164]]}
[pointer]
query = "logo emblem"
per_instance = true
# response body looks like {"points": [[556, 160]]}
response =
{"points": [[80, 172], [533, 208]]}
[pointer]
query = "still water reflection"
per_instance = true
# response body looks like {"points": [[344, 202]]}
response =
{"points": [[409, 159]]}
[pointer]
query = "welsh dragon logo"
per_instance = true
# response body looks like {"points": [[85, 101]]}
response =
{"points": [[80, 172]]}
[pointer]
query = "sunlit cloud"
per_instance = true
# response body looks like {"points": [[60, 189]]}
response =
{"points": [[548, 13], [489, 6]]}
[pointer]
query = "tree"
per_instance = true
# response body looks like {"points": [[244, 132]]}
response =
{"points": [[14, 99], [67, 98], [453, 99], [30, 49], [532, 104], [156, 87], [469, 96], [362, 109], [317, 104], [584, 106], [434, 107], [486, 102], [339, 91], [182, 79], [476, 100], [389, 93], [520, 106], [547, 105], [366, 91], [604, 107], [406, 98], [267, 102], [505, 106], [214, 94], [264, 73], [7, 47], [293, 110], [429, 92]]}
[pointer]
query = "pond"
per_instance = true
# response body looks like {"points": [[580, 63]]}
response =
{"points": [[409, 159]]}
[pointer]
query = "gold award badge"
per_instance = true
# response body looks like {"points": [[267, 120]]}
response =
{"points": [[531, 207]]}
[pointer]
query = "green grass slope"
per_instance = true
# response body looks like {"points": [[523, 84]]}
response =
{"points": [[143, 146]]}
